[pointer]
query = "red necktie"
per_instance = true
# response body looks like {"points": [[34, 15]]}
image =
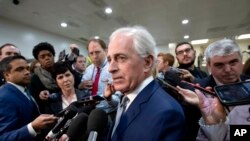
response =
{"points": [[95, 85]]}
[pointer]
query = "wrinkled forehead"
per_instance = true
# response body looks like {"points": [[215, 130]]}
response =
{"points": [[120, 44]]}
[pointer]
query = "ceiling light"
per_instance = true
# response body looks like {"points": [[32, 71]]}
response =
{"points": [[197, 42], [108, 10], [243, 36], [186, 36], [171, 45], [185, 21], [97, 37], [64, 24]]}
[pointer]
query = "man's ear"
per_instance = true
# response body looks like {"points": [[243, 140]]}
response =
{"points": [[148, 63], [208, 66], [6, 76]]}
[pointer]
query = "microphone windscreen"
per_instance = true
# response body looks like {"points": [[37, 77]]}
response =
{"points": [[78, 126], [70, 112], [98, 120], [86, 109]]}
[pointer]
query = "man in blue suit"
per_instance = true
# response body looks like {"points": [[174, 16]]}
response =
{"points": [[19, 115], [150, 114]]}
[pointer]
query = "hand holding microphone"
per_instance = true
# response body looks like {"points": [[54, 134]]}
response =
{"points": [[70, 112]]}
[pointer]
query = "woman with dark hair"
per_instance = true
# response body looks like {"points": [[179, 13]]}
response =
{"points": [[68, 94], [42, 79]]}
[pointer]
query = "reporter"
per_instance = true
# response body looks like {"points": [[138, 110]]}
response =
{"points": [[68, 94], [224, 61], [20, 118]]}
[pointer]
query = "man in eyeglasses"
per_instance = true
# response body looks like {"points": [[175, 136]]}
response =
{"points": [[185, 55]]}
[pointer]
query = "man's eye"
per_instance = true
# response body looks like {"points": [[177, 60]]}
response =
{"points": [[121, 58], [218, 65]]}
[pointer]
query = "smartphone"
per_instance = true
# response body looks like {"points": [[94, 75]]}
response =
{"points": [[200, 88], [76, 51], [234, 94], [62, 55]]}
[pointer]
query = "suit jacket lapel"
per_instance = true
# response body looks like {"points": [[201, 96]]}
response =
{"points": [[30, 104], [135, 108]]}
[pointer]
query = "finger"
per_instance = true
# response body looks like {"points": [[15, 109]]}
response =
{"points": [[201, 97]]}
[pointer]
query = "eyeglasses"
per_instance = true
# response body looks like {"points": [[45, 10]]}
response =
{"points": [[181, 52]]}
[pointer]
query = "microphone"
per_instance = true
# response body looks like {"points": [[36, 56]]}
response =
{"points": [[68, 114], [78, 127], [82, 105], [97, 122]]}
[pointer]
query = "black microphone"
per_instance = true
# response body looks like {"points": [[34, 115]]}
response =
{"points": [[78, 127], [68, 114], [97, 122]]}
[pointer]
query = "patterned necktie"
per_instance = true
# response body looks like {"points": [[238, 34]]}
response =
{"points": [[95, 85], [120, 111]]}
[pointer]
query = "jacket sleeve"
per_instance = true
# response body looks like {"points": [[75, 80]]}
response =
{"points": [[11, 128], [218, 132]]}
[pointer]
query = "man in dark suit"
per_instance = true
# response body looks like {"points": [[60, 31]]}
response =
{"points": [[19, 115], [224, 61], [150, 114]]}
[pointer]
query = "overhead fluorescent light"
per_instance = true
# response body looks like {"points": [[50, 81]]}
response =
{"points": [[171, 45], [63, 24], [185, 21], [108, 10], [186, 37], [243, 36], [201, 41], [97, 37]]}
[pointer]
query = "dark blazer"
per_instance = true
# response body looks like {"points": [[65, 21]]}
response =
{"points": [[55, 106], [16, 112], [153, 116], [35, 87], [209, 81]]}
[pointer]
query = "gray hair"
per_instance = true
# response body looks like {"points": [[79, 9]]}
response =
{"points": [[221, 48], [143, 41]]}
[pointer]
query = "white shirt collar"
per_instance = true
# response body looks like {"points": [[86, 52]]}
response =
{"points": [[131, 96], [21, 88]]}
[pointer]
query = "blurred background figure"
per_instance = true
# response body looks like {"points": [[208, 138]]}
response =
{"points": [[78, 68], [34, 64], [164, 62], [7, 50]]}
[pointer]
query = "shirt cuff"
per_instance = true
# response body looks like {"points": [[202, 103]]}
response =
{"points": [[31, 130], [215, 132]]}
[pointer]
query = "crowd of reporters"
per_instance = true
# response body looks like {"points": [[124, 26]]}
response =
{"points": [[71, 101]]}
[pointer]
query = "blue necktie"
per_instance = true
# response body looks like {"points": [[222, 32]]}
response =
{"points": [[121, 108], [28, 94], [31, 98]]}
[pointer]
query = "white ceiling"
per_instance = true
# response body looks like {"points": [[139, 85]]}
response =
{"points": [[86, 18]]}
